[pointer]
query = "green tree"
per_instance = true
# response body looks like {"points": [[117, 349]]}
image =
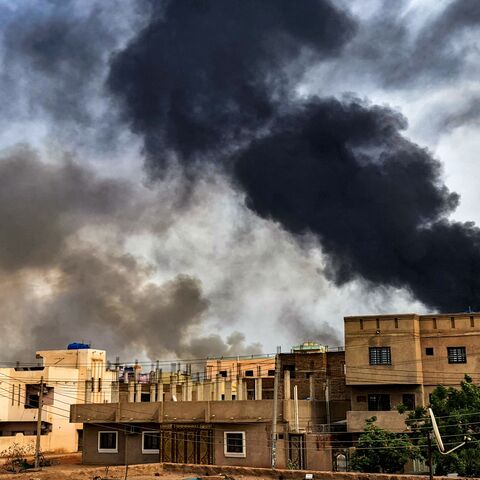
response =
{"points": [[457, 411], [381, 451]]}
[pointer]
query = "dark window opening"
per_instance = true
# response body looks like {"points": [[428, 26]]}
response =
{"points": [[271, 373], [32, 395], [223, 373], [408, 399], [429, 351], [361, 399], [457, 355], [396, 322], [361, 324], [378, 323], [380, 356], [291, 369], [234, 442], [434, 321], [452, 322], [151, 441], [378, 402], [145, 397], [107, 440], [249, 373], [472, 322]]}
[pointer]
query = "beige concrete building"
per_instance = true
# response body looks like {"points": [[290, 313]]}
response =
{"points": [[69, 377], [400, 359]]}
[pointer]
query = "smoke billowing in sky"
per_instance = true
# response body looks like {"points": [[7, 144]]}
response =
{"points": [[195, 175]]}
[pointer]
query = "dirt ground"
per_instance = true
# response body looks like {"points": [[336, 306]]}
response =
{"points": [[66, 467]]}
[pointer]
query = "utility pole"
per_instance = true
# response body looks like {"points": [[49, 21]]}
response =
{"points": [[429, 443], [275, 408], [39, 425]]}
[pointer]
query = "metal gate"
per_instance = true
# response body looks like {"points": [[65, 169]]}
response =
{"points": [[187, 445], [296, 451]]}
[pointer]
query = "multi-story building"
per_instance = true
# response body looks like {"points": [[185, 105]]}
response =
{"points": [[74, 375], [223, 414], [400, 359]]}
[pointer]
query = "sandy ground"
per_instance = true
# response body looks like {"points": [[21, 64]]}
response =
{"points": [[68, 467]]}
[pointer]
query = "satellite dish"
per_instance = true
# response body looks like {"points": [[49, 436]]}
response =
{"points": [[438, 437], [436, 431]]}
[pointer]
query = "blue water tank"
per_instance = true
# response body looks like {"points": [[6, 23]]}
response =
{"points": [[78, 346]]}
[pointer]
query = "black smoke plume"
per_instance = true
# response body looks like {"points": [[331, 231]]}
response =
{"points": [[205, 74], [215, 81]]}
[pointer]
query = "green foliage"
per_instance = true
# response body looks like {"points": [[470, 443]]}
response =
{"points": [[458, 415], [381, 451]]}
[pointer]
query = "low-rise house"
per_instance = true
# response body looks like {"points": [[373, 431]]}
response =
{"points": [[236, 432]]}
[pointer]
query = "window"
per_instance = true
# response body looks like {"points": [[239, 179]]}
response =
{"points": [[151, 442], [291, 369], [408, 399], [452, 322], [434, 322], [457, 355], [234, 444], [249, 373], [396, 322], [429, 351], [107, 442], [271, 373], [223, 373], [378, 323], [361, 324], [472, 322], [380, 356], [378, 401]]}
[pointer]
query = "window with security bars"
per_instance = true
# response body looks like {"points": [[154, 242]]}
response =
{"points": [[234, 444], [380, 356], [457, 355]]}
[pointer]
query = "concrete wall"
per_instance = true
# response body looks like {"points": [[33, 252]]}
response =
{"points": [[408, 337], [400, 332], [129, 446], [388, 420]]}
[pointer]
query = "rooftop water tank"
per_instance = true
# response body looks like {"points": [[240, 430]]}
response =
{"points": [[78, 346]]}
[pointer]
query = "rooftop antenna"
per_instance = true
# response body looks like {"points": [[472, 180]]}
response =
{"points": [[438, 437]]}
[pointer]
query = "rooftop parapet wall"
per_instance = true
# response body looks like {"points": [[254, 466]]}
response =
{"points": [[238, 411], [177, 412]]}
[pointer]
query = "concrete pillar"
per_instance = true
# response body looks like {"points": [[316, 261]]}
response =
{"points": [[138, 392], [220, 387], [188, 389], [153, 392], [160, 392], [199, 391], [311, 385], [228, 390], [258, 389], [245, 391], [207, 391], [131, 392], [173, 386], [286, 385], [239, 389]]}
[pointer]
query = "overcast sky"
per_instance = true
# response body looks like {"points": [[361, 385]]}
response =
{"points": [[170, 180]]}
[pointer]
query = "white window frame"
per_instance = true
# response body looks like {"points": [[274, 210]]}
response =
{"points": [[235, 454], [148, 450], [108, 450]]}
